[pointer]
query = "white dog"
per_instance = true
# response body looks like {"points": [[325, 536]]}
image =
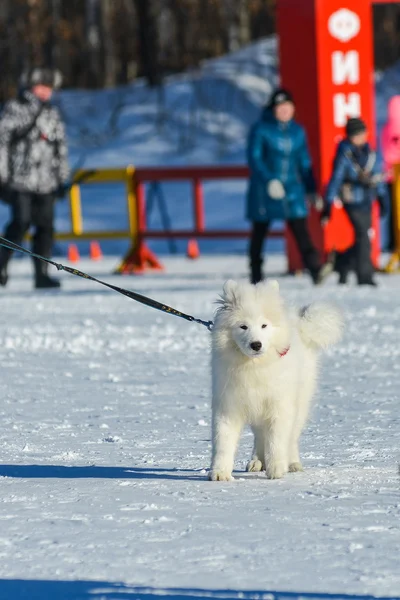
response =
{"points": [[264, 373]]}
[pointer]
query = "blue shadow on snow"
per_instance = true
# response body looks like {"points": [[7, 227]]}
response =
{"points": [[30, 589], [93, 472]]}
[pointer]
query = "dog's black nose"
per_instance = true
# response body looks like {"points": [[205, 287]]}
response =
{"points": [[256, 346]]}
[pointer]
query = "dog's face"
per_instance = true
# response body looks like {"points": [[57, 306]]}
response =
{"points": [[251, 316], [252, 334]]}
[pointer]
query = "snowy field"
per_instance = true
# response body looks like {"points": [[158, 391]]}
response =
{"points": [[105, 443]]}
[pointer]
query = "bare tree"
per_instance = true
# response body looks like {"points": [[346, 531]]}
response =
{"points": [[53, 51], [386, 31], [98, 43], [148, 41], [109, 45], [93, 43]]}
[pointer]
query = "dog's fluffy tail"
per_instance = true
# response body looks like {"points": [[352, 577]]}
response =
{"points": [[320, 324]]}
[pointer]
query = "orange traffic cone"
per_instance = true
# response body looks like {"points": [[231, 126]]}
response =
{"points": [[193, 251], [138, 260], [95, 251], [73, 253]]}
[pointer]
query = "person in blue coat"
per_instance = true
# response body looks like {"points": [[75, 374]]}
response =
{"points": [[281, 182], [357, 180]]}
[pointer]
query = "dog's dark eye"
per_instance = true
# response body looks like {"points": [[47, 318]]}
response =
{"points": [[263, 326], [243, 327]]}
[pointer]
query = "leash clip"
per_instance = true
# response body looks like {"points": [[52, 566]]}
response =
{"points": [[208, 324]]}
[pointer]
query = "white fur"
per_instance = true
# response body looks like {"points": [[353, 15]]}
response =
{"points": [[254, 384]]}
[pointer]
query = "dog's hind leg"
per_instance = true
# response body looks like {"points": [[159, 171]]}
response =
{"points": [[256, 463], [226, 432], [294, 454], [294, 457], [277, 438], [298, 426]]}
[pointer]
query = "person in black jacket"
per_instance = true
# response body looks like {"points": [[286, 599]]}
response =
{"points": [[356, 181], [33, 168]]}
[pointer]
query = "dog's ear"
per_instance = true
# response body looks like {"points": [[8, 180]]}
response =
{"points": [[273, 285], [229, 292], [269, 285]]}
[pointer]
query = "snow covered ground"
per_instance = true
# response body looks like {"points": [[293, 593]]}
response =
{"points": [[105, 442]]}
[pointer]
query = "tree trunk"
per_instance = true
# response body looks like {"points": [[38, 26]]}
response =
{"points": [[148, 42], [109, 46], [93, 43]]}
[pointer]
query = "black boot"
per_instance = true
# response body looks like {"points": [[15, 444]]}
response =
{"points": [[3, 276], [42, 280], [371, 282], [256, 271], [4, 258]]}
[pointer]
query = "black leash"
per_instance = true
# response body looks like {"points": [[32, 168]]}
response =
{"points": [[132, 295]]}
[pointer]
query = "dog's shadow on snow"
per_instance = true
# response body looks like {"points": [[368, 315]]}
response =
{"points": [[20, 589], [95, 472]]}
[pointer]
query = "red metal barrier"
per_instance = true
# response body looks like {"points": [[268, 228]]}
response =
{"points": [[337, 235], [139, 257]]}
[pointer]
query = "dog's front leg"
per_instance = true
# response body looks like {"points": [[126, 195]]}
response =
{"points": [[225, 436], [277, 436], [294, 458], [257, 460]]}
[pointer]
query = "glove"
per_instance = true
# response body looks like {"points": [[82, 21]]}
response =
{"points": [[317, 201], [62, 191], [338, 203], [275, 189]]}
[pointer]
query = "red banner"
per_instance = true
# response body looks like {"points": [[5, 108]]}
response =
{"points": [[326, 54]]}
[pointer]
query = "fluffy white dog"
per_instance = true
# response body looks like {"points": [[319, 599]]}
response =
{"points": [[264, 373]]}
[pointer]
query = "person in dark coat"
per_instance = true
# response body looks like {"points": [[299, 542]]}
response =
{"points": [[281, 183], [33, 168], [357, 180]]}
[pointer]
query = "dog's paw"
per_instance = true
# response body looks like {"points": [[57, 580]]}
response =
{"points": [[295, 467], [276, 471], [254, 466], [220, 475]]}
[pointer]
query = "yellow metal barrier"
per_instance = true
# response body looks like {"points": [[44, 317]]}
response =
{"points": [[393, 265], [87, 176]]}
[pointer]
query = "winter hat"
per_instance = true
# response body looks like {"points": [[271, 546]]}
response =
{"points": [[355, 126], [41, 76], [279, 97]]}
